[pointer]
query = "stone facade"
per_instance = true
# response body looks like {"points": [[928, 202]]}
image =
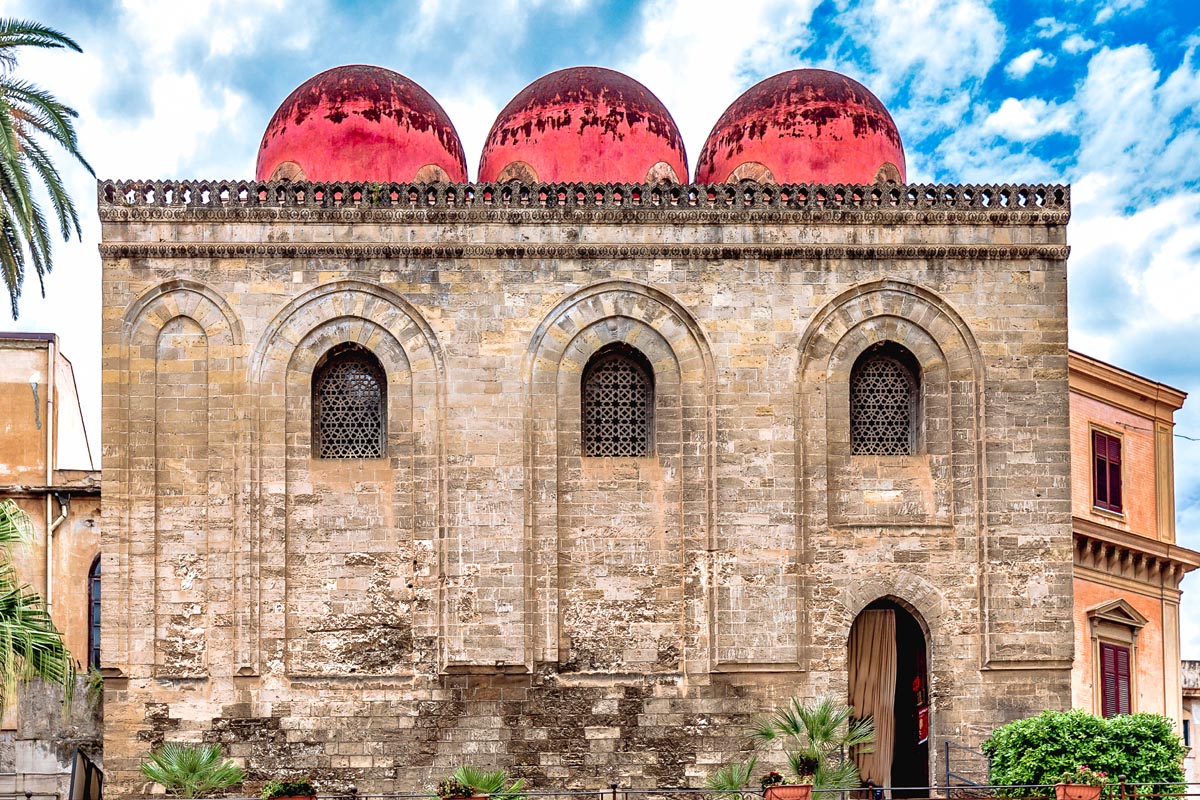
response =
{"points": [[485, 593]]}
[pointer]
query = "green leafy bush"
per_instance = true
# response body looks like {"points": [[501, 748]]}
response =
{"points": [[296, 787], [191, 770], [1038, 750]]}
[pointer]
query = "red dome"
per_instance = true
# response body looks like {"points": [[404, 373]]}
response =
{"points": [[804, 126], [361, 123], [584, 124]]}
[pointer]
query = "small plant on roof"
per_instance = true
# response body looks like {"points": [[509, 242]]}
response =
{"points": [[1084, 775], [191, 770], [295, 787]]}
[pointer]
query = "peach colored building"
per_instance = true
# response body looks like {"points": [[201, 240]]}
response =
{"points": [[1127, 564], [48, 470]]}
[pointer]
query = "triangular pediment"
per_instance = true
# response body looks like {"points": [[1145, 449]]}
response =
{"points": [[1117, 611]]}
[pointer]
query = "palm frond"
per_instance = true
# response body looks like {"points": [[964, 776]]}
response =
{"points": [[30, 118], [732, 780], [191, 770]]}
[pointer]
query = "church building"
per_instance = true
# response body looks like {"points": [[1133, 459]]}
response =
{"points": [[574, 468]]}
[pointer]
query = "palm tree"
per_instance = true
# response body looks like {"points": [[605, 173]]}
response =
{"points": [[818, 739], [31, 117], [30, 645]]}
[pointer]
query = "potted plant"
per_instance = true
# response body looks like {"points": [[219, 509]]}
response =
{"points": [[1081, 783], [816, 740], [777, 787], [191, 770], [468, 781], [293, 789]]}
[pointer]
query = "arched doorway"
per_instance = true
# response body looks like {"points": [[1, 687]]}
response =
{"points": [[889, 680]]}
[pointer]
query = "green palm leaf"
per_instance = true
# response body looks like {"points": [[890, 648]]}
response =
{"points": [[30, 645], [29, 116], [191, 770]]}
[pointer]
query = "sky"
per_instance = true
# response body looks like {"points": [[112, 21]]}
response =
{"points": [[1101, 94]]}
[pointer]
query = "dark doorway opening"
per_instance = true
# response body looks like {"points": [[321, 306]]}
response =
{"points": [[889, 680]]}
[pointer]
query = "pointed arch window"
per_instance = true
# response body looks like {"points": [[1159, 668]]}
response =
{"points": [[349, 398], [884, 401], [617, 395], [94, 614]]}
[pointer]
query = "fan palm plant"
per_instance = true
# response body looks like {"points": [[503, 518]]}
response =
{"points": [[30, 645], [817, 740], [30, 119], [495, 784], [191, 770]]}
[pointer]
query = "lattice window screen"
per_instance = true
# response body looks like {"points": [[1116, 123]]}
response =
{"points": [[618, 402], [883, 396], [348, 408]]}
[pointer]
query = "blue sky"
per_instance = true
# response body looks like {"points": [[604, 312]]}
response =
{"points": [[1103, 94]]}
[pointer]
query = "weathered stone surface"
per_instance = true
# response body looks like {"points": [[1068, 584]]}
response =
{"points": [[486, 593]]}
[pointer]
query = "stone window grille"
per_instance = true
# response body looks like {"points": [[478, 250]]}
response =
{"points": [[884, 401], [618, 404], [349, 398]]}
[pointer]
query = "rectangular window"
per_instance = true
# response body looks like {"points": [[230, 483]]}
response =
{"points": [[1106, 471], [1114, 678], [1187, 733]]}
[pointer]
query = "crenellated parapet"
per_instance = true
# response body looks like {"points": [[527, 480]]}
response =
{"points": [[970, 203]]}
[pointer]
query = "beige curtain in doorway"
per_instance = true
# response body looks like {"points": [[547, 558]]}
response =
{"points": [[873, 688]]}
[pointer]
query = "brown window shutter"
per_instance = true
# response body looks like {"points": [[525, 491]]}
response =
{"points": [[1114, 677], [1124, 705]]}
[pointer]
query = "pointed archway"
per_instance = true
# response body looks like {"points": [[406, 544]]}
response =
{"points": [[889, 680]]}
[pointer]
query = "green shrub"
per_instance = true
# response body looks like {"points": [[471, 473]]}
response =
{"points": [[191, 770], [468, 781], [296, 787], [1142, 747]]}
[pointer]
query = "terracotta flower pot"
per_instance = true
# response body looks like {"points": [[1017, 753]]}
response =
{"points": [[788, 791], [1076, 791]]}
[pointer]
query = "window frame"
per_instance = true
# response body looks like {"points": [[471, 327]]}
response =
{"points": [[1114, 624], [1104, 469], [617, 351], [904, 358], [94, 614], [348, 351]]}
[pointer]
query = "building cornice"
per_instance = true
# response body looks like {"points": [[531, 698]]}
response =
{"points": [[1130, 556], [351, 250], [1125, 390], [240, 200]]}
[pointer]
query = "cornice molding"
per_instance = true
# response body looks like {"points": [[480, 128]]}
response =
{"points": [[1130, 556], [239, 200], [1125, 390], [355, 250]]}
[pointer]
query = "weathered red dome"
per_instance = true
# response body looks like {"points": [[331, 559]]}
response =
{"points": [[584, 124], [361, 123], [804, 126]]}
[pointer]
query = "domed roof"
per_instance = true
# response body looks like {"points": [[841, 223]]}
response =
{"points": [[804, 126], [584, 124], [361, 123]]}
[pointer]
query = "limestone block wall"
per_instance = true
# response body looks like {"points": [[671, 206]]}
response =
{"points": [[487, 593]]}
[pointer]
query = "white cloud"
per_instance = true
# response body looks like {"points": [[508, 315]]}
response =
{"points": [[1020, 67], [677, 57], [938, 51], [1111, 8], [1048, 27], [1077, 43], [1027, 120]]}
